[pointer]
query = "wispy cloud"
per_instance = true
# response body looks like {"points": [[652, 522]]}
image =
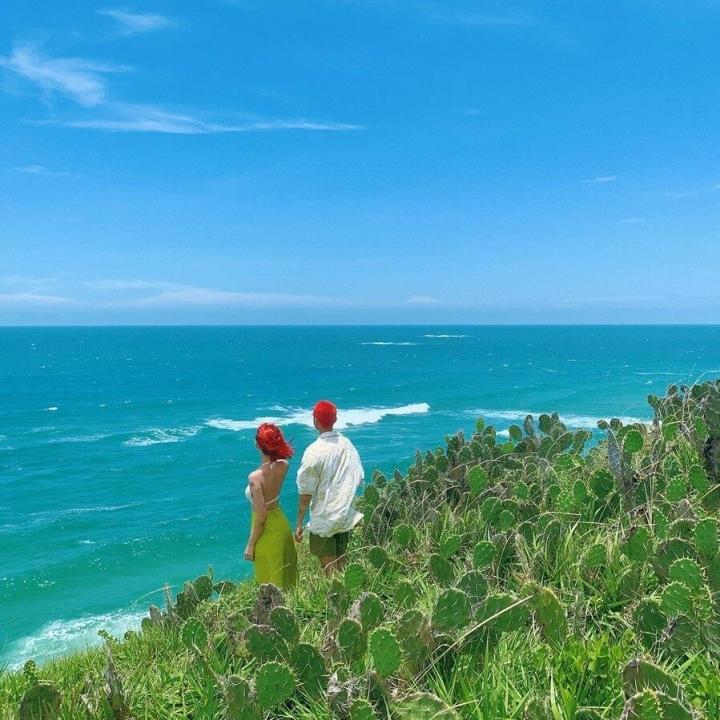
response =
{"points": [[34, 299], [38, 170], [422, 300], [180, 295], [135, 22], [600, 179], [83, 81], [122, 117], [26, 280]]}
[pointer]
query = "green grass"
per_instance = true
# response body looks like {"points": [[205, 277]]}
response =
{"points": [[547, 626]]}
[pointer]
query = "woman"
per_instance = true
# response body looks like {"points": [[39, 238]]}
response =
{"points": [[271, 545]]}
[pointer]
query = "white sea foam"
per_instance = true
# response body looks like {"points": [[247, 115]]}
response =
{"points": [[52, 408], [299, 416], [446, 336], [60, 636], [160, 436], [78, 439], [381, 342], [569, 419]]}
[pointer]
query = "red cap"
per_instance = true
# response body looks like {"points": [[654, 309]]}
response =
{"points": [[271, 441], [325, 413]]}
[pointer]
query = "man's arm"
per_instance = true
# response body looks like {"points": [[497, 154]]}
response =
{"points": [[307, 483], [302, 509]]}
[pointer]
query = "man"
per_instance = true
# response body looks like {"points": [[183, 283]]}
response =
{"points": [[327, 481]]}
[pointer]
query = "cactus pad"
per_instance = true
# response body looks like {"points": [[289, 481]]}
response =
{"points": [[452, 610], [268, 597], [368, 610], [385, 651], [676, 488], [498, 610], [285, 623], [669, 551], [441, 569], [474, 584], [405, 594], [643, 706], [449, 545], [550, 615], [424, 706], [649, 620], [687, 572], [203, 587], [477, 480], [194, 634], [706, 537], [41, 701], [639, 675], [239, 700], [379, 558], [637, 544], [596, 556], [602, 483], [274, 684], [484, 554], [355, 578], [309, 668], [361, 709], [264, 642], [633, 442], [676, 600], [404, 536], [351, 639]]}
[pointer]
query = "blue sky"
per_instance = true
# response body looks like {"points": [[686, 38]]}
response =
{"points": [[437, 161]]}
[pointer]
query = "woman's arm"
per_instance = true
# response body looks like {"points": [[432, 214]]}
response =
{"points": [[258, 501]]}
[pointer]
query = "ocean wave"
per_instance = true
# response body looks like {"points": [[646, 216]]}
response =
{"points": [[52, 408], [78, 439], [570, 419], [446, 336], [159, 436], [382, 342], [351, 417], [83, 510], [61, 636]]}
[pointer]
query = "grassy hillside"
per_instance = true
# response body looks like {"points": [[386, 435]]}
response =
{"points": [[521, 579]]}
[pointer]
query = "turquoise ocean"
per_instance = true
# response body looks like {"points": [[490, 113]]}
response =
{"points": [[124, 452]]}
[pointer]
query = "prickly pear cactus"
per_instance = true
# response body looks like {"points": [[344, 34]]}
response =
{"points": [[203, 587], [355, 578], [503, 612], [477, 480], [484, 554], [706, 538], [265, 643], [639, 675], [676, 600], [384, 651], [274, 684], [378, 557], [194, 634], [368, 610], [452, 610], [474, 585], [649, 620], [403, 536], [687, 572], [350, 638], [240, 703], [361, 709], [550, 616], [637, 544], [441, 569], [643, 706], [424, 706], [285, 623], [268, 597], [41, 701], [309, 667], [405, 594]]}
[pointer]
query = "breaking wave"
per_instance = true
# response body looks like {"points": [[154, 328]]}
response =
{"points": [[159, 436], [347, 418]]}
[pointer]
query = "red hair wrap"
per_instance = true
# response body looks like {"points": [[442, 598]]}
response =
{"points": [[325, 413], [270, 440]]}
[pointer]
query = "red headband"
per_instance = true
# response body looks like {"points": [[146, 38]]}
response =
{"points": [[325, 413], [270, 440]]}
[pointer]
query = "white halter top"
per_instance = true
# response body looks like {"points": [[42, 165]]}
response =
{"points": [[275, 499]]}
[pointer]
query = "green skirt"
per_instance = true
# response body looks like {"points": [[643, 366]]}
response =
{"points": [[275, 554]]}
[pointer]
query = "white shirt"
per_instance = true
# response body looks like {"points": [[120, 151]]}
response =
{"points": [[331, 472]]}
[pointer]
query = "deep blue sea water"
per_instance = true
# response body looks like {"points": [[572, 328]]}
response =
{"points": [[124, 451]]}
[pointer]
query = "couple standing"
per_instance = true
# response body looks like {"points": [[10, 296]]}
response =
{"points": [[328, 478]]}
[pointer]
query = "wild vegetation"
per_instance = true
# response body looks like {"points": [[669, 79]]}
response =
{"points": [[528, 578]]}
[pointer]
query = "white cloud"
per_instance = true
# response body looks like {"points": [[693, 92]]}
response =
{"points": [[79, 79], [133, 22], [38, 170], [146, 118], [179, 295], [422, 300], [34, 299], [601, 179], [26, 280]]}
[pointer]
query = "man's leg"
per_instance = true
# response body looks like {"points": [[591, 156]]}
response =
{"points": [[342, 540], [329, 564], [325, 549]]}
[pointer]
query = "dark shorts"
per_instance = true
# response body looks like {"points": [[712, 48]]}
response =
{"points": [[333, 546]]}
